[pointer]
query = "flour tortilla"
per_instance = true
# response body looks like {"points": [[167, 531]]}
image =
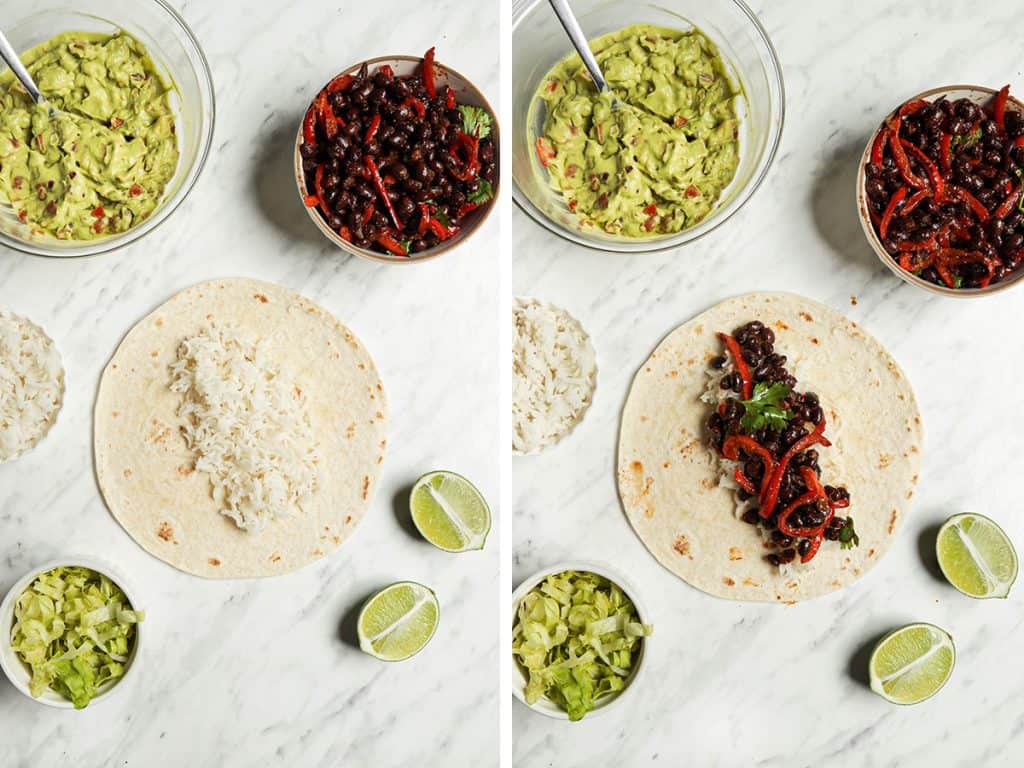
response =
{"points": [[669, 477], [145, 468]]}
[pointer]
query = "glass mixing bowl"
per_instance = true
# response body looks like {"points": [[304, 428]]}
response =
{"points": [[539, 42], [177, 56]]}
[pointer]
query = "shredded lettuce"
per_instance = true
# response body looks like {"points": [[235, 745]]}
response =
{"points": [[577, 635], [75, 629]]}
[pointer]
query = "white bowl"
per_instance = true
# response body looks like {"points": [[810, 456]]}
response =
{"points": [[980, 95], [18, 672], [517, 674]]}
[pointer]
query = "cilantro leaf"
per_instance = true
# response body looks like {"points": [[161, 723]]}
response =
{"points": [[762, 410], [967, 140], [848, 538], [958, 281], [483, 193], [406, 244], [475, 121]]}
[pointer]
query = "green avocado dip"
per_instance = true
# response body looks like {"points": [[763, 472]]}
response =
{"points": [[100, 166], [657, 164]]}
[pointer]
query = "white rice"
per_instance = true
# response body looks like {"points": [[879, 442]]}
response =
{"points": [[31, 385], [554, 371]]}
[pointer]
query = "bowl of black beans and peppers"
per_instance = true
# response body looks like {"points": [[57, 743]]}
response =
{"points": [[941, 190], [771, 434], [397, 159]]}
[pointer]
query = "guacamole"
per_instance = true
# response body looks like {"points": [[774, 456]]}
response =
{"points": [[656, 164], [101, 166]]}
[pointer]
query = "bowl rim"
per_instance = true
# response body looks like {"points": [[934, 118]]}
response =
{"points": [[440, 248], [718, 216], [14, 669], [860, 197], [515, 673], [89, 248]]}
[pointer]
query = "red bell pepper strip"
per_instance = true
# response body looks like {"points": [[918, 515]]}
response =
{"points": [[945, 154], [895, 200], [743, 481], [467, 208], [900, 156], [914, 200], [808, 498], [367, 214], [740, 364], [961, 194], [1018, 142], [340, 83], [345, 233], [545, 152], [390, 244], [309, 127], [999, 107], [449, 98], [372, 130], [439, 229], [311, 201], [1008, 203], [424, 219], [466, 149], [731, 450], [330, 122], [378, 184], [418, 106], [429, 81], [771, 495], [812, 550], [934, 177], [386, 70], [907, 263], [912, 107], [318, 187], [878, 148]]}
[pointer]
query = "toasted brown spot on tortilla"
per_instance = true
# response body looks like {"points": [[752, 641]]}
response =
{"points": [[647, 369], [127, 473], [728, 582], [806, 316], [735, 553], [814, 340], [154, 353], [318, 552], [707, 483], [900, 396], [885, 459], [914, 449], [362, 366], [673, 373], [699, 330], [836, 583], [159, 321], [348, 519], [337, 538], [350, 431], [792, 584], [185, 469], [637, 467], [871, 552], [213, 561], [781, 325], [261, 298], [164, 531], [853, 300], [751, 583], [366, 486], [682, 546], [115, 414]]}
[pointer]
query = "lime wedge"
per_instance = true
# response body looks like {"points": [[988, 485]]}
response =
{"points": [[976, 556], [398, 621], [912, 663], [450, 512]]}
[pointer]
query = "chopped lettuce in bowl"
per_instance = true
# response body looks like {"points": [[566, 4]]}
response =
{"points": [[578, 640], [71, 633]]}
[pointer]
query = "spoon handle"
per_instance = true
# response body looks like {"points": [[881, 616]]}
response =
{"points": [[579, 40], [8, 54]]}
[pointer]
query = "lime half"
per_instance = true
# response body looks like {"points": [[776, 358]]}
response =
{"points": [[976, 556], [398, 621], [912, 663], [450, 512]]}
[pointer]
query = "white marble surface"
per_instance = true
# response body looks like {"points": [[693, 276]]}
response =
{"points": [[264, 673], [735, 684]]}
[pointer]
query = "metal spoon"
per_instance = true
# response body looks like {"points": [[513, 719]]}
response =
{"points": [[8, 54], [579, 41]]}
